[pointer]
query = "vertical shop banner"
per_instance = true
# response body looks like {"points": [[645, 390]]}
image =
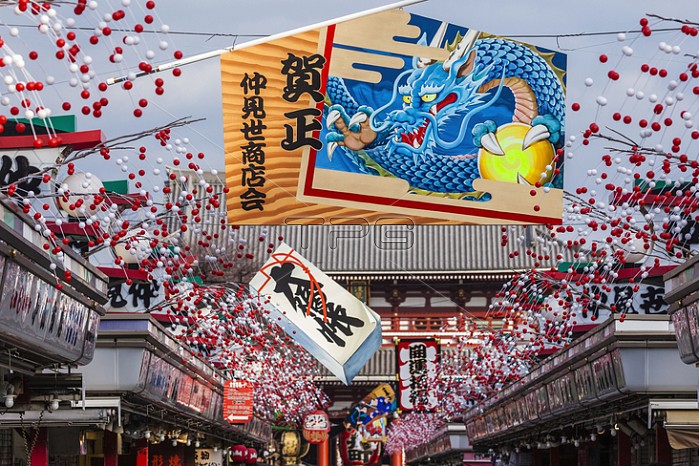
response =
{"points": [[237, 401], [393, 113], [418, 362], [340, 331]]}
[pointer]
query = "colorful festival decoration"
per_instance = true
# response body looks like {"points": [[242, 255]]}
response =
{"points": [[252, 456], [417, 363], [324, 318], [380, 402], [316, 427], [361, 442], [354, 451], [393, 113]]}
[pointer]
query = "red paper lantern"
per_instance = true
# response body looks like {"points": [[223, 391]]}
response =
{"points": [[252, 456], [239, 454]]}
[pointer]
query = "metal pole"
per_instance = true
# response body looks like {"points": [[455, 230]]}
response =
{"points": [[216, 53]]}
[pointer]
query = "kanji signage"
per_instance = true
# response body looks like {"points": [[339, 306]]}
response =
{"points": [[334, 326], [355, 452], [237, 401], [20, 159], [164, 455], [208, 457], [417, 370], [393, 113], [135, 297]]}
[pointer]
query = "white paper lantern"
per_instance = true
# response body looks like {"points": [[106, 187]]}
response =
{"points": [[552, 311], [635, 250], [134, 247], [80, 186]]}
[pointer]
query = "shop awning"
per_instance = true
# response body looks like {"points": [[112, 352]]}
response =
{"points": [[683, 428]]}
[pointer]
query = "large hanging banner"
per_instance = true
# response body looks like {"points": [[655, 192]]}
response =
{"points": [[418, 362], [340, 331], [392, 116]]}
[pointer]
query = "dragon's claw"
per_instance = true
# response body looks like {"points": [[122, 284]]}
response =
{"points": [[334, 140], [553, 127], [357, 120], [490, 143], [535, 134], [486, 132], [330, 149], [333, 116], [352, 134], [522, 180]]}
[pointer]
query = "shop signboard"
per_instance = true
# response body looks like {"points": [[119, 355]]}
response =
{"points": [[34, 313], [237, 401], [417, 373], [393, 113], [208, 457], [336, 328]]}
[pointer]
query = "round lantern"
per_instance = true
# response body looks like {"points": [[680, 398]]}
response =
{"points": [[316, 426], [134, 246], [239, 454], [252, 456], [635, 250], [77, 193], [291, 444], [552, 310]]}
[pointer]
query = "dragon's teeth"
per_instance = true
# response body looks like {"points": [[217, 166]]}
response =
{"points": [[416, 144], [433, 109]]}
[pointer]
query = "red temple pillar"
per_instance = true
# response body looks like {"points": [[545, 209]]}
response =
{"points": [[324, 453], [397, 458], [663, 451], [623, 444], [40, 453], [110, 449]]}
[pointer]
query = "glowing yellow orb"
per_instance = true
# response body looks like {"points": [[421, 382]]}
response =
{"points": [[529, 163]]}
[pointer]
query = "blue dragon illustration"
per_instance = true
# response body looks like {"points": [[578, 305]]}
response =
{"points": [[429, 133]]}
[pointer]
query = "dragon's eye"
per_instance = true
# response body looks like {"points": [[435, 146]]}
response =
{"points": [[428, 97], [407, 99]]}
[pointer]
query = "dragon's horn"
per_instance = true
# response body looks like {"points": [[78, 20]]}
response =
{"points": [[435, 43], [461, 49]]}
